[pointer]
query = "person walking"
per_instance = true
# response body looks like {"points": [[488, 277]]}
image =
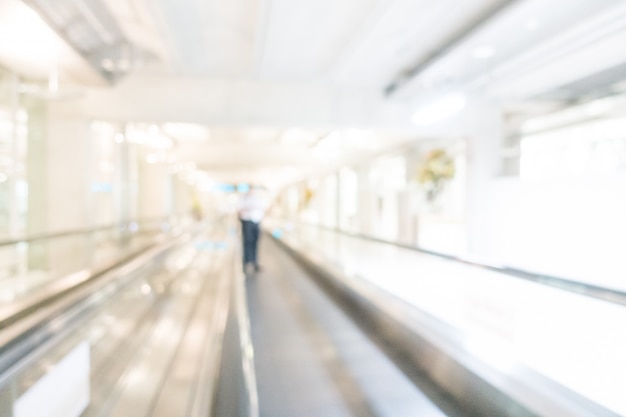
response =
{"points": [[251, 211]]}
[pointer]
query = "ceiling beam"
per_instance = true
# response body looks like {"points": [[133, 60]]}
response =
{"points": [[263, 21], [99, 39], [407, 75]]}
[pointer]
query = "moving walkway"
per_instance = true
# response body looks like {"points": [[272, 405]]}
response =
{"points": [[179, 330]]}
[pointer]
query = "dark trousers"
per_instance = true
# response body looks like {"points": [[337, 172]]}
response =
{"points": [[250, 234]]}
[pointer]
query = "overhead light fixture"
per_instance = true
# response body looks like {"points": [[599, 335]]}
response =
{"points": [[298, 137], [148, 135], [27, 35], [483, 52], [187, 132], [532, 24], [152, 158], [440, 109]]}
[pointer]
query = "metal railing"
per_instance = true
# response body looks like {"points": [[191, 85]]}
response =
{"points": [[36, 270], [28, 347], [130, 226], [425, 344], [611, 295]]}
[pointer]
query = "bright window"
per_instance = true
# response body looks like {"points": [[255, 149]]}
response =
{"points": [[587, 148]]}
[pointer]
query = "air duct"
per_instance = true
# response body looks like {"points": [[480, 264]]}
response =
{"points": [[89, 27]]}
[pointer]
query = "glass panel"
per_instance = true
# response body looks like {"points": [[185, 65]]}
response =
{"points": [[38, 266], [348, 194], [592, 147]]}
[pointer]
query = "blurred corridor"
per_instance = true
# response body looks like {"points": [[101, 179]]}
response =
{"points": [[442, 187]]}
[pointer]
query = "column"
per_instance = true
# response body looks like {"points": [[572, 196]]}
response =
{"points": [[152, 188], [483, 165], [67, 168]]}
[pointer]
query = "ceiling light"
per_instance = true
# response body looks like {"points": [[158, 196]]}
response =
{"points": [[483, 52], [532, 24], [152, 158], [440, 109], [329, 147], [298, 137], [106, 166], [188, 132]]}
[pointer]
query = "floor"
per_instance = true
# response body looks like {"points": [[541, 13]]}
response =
{"points": [[311, 359]]}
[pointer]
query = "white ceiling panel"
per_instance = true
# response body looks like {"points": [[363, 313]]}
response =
{"points": [[210, 38], [137, 23], [406, 32], [490, 50], [303, 39]]}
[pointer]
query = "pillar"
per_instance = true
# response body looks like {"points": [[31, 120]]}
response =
{"points": [[483, 165]]}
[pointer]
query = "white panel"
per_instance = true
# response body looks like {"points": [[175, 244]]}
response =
{"points": [[405, 33], [62, 392], [29, 46], [532, 22], [214, 38], [137, 23], [304, 38], [577, 65]]}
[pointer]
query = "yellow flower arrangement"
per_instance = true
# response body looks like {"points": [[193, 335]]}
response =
{"points": [[307, 197], [436, 169]]}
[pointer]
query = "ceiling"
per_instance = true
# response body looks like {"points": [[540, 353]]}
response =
{"points": [[251, 71], [345, 43]]}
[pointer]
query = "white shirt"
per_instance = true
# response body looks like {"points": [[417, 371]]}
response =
{"points": [[252, 208]]}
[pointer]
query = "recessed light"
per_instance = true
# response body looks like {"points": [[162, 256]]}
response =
{"points": [[483, 52], [532, 24], [440, 109]]}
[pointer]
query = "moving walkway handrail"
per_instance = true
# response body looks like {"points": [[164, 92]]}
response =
{"points": [[567, 284], [28, 344], [20, 338], [85, 231], [418, 340], [22, 308]]}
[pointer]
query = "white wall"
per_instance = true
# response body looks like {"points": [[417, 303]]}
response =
{"points": [[67, 157], [573, 228], [154, 190]]}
